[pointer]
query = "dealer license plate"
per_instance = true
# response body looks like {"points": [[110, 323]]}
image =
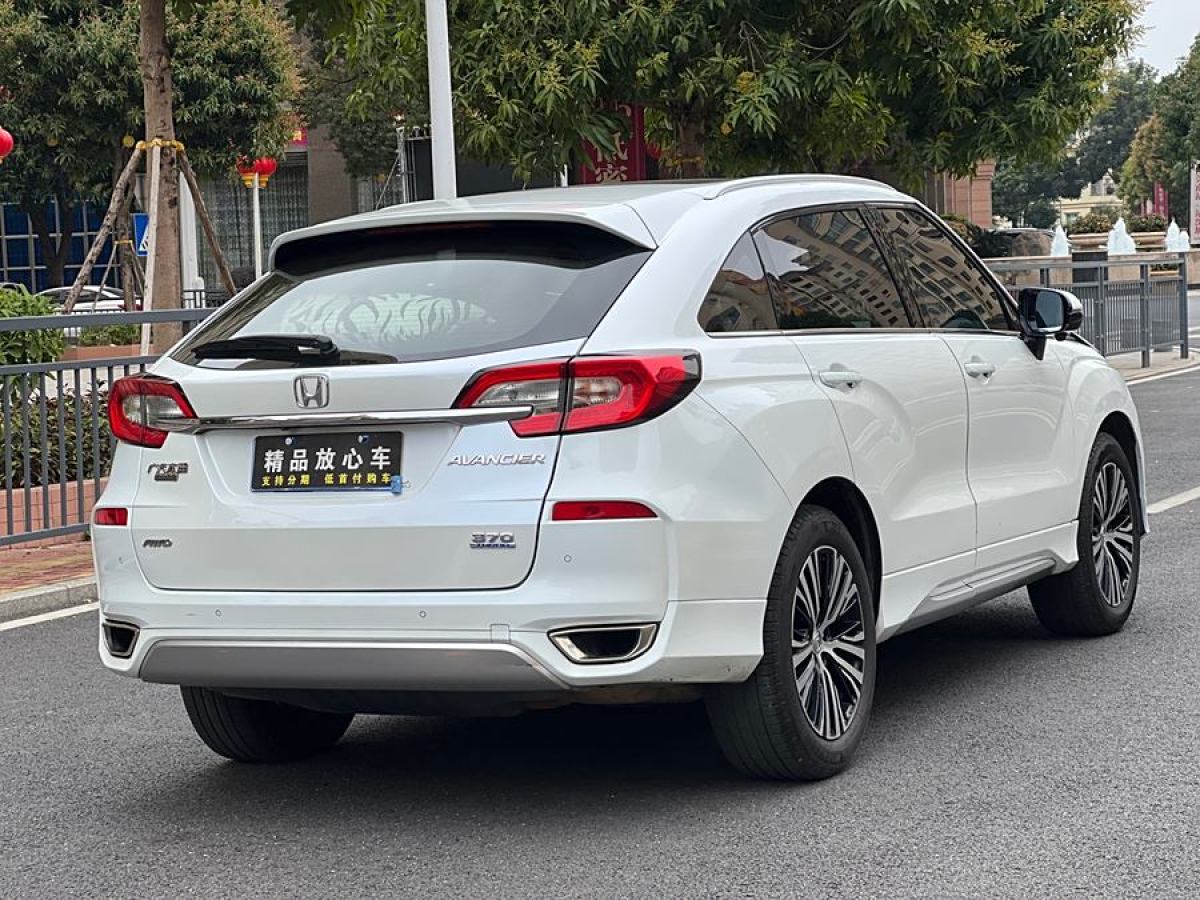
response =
{"points": [[345, 461]]}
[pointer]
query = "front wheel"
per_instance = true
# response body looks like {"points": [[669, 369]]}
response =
{"points": [[260, 730], [803, 711], [1096, 597]]}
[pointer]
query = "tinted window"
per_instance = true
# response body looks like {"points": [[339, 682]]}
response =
{"points": [[950, 288], [826, 271], [433, 292], [739, 299]]}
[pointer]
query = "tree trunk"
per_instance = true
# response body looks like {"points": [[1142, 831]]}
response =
{"points": [[54, 254], [689, 148], [123, 234], [160, 124]]}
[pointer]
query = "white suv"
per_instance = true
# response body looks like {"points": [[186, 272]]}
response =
{"points": [[642, 442]]}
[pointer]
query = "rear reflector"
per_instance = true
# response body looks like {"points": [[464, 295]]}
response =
{"points": [[111, 515], [585, 510], [587, 393], [134, 404]]}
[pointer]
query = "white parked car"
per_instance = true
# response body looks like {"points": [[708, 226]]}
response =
{"points": [[92, 298], [632, 442]]}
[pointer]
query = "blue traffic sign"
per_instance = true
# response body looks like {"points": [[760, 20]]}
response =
{"points": [[141, 234]]}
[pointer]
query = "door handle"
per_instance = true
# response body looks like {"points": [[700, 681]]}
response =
{"points": [[840, 378], [978, 368]]}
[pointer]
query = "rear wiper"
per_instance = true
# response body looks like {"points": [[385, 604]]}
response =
{"points": [[301, 348]]}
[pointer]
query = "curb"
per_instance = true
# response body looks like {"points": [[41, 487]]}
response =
{"points": [[47, 598], [1154, 376]]}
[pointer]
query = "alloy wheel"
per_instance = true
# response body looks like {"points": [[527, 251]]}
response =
{"points": [[1112, 533], [828, 642]]}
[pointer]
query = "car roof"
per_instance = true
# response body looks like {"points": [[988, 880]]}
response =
{"points": [[642, 212]]}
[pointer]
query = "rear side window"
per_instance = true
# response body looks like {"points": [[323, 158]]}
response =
{"points": [[739, 299], [826, 271], [950, 287], [413, 293]]}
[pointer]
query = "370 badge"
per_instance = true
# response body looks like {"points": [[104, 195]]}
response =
{"points": [[493, 540]]}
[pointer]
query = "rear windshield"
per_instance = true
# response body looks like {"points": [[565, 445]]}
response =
{"points": [[431, 292]]}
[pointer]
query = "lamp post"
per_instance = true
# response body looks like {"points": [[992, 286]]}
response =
{"points": [[255, 176], [441, 111]]}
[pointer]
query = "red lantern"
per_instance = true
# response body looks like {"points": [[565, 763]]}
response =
{"points": [[265, 167], [6, 144], [245, 169]]}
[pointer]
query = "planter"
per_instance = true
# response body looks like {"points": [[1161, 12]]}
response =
{"points": [[111, 351]]}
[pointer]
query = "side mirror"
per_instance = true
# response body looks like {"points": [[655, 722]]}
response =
{"points": [[1047, 312]]}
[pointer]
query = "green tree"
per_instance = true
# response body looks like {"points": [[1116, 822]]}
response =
{"points": [[73, 95], [1166, 144], [1146, 164], [1026, 192], [736, 86], [1128, 102]]}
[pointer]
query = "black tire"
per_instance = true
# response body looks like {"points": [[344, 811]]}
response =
{"points": [[1073, 603], [761, 724], [260, 731]]}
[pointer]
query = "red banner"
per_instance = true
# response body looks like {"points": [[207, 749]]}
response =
{"points": [[1160, 200], [628, 163]]}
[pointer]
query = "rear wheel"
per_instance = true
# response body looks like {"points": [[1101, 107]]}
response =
{"points": [[1096, 597], [260, 730], [803, 712]]}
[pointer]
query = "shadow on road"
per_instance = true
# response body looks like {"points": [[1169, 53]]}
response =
{"points": [[559, 759]]}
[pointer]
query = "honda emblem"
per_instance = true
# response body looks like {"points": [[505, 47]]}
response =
{"points": [[311, 391]]}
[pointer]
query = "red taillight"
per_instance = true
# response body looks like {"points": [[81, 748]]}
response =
{"points": [[587, 393], [534, 384], [584, 510], [111, 515], [135, 403]]}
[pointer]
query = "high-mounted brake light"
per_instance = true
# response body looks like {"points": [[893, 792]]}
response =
{"points": [[136, 402], [587, 393]]}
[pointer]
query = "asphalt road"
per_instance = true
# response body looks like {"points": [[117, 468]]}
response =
{"points": [[1000, 762]]}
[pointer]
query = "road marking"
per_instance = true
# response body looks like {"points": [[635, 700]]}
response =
{"points": [[1173, 501], [1186, 370], [48, 617]]}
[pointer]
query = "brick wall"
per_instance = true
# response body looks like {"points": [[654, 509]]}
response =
{"points": [[38, 520]]}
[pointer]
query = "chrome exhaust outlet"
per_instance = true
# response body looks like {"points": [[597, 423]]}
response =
{"points": [[604, 643], [119, 638]]}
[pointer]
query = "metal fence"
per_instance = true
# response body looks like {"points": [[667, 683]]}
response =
{"points": [[1130, 304], [56, 448], [55, 444]]}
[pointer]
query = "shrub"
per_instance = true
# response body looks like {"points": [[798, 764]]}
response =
{"points": [[106, 335], [66, 448], [1146, 223], [34, 346], [958, 225], [1098, 220]]}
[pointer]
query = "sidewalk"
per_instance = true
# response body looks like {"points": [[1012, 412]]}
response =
{"points": [[1161, 362], [40, 579]]}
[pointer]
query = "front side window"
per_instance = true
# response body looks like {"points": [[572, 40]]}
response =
{"points": [[421, 292], [951, 289], [826, 271], [739, 299]]}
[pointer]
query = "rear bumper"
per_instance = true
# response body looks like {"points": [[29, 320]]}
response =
{"points": [[469, 641], [698, 641]]}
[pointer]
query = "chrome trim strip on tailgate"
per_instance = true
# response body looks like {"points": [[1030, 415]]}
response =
{"points": [[478, 416]]}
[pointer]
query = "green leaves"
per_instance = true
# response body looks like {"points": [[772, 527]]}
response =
{"points": [[42, 345], [744, 85]]}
